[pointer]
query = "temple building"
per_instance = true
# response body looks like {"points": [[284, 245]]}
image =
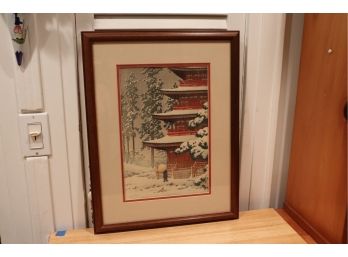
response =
{"points": [[189, 98]]}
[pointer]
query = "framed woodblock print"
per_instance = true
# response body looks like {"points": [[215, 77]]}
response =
{"points": [[162, 122]]}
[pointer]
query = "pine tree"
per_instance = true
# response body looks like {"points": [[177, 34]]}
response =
{"points": [[130, 111], [171, 101], [169, 107], [152, 103], [124, 131]]}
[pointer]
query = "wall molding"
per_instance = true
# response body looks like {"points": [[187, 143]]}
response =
{"points": [[59, 79], [263, 79], [132, 21], [84, 22], [69, 73], [286, 109], [39, 194]]}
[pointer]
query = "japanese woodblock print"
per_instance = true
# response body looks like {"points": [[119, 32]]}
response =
{"points": [[164, 130]]}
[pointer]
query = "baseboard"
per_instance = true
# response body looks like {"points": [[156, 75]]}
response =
{"points": [[306, 226], [284, 214]]}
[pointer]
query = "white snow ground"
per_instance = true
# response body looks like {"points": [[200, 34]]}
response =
{"points": [[141, 183]]}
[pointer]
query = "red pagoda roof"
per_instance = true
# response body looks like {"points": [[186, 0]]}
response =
{"points": [[200, 90], [177, 114], [188, 72], [168, 141]]}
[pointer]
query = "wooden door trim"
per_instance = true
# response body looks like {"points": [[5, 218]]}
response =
{"points": [[305, 225]]}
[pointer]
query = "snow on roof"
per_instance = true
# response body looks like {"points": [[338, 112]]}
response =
{"points": [[182, 89], [179, 112], [171, 139]]}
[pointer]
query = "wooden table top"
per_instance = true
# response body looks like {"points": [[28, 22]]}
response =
{"points": [[257, 226]]}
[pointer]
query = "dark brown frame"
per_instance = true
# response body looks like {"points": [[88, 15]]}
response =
{"points": [[88, 39]]}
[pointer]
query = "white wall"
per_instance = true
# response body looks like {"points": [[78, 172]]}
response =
{"points": [[40, 194], [43, 194]]}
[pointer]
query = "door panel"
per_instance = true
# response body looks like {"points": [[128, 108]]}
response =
{"points": [[317, 182]]}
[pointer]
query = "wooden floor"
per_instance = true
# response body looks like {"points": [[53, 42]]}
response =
{"points": [[258, 226]]}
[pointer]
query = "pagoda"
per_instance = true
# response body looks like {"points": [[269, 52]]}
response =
{"points": [[189, 98]]}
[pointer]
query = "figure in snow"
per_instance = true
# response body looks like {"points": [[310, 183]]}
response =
{"points": [[162, 168], [165, 176]]}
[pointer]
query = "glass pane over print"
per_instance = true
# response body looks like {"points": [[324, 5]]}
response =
{"points": [[164, 126]]}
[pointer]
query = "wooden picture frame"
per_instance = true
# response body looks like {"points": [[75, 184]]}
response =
{"points": [[188, 69]]}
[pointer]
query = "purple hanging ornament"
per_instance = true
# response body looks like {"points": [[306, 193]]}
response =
{"points": [[19, 35]]}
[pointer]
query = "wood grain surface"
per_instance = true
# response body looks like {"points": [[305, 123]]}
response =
{"points": [[258, 226], [317, 182]]}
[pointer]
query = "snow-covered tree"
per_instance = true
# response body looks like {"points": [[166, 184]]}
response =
{"points": [[152, 103], [124, 132], [130, 111], [199, 146], [203, 179], [169, 107], [171, 101], [202, 117]]}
